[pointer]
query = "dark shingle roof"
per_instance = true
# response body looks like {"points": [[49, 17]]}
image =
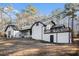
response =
{"points": [[13, 26], [37, 23]]}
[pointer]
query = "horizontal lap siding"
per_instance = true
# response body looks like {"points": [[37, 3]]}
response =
{"points": [[37, 32], [64, 37], [46, 37], [11, 32]]}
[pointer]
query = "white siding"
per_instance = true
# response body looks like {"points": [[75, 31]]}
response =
{"points": [[38, 34], [11, 32], [48, 26], [37, 31], [46, 37], [17, 34], [63, 37], [58, 37]]}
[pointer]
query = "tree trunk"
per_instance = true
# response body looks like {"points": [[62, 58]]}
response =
{"points": [[72, 29]]}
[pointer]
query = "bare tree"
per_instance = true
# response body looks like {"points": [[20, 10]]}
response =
{"points": [[70, 10], [5, 17], [27, 17]]}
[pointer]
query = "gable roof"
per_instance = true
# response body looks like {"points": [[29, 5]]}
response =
{"points": [[53, 22], [58, 26], [37, 23], [13, 26]]}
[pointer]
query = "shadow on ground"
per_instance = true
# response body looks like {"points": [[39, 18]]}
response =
{"points": [[29, 47]]}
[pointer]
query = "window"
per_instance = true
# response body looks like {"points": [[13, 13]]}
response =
{"points": [[37, 24]]}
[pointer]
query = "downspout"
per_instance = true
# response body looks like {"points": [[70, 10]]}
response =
{"points": [[42, 32]]}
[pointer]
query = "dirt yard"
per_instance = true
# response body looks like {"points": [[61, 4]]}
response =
{"points": [[26, 47]]}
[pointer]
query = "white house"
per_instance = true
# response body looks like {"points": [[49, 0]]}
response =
{"points": [[54, 33], [38, 30], [58, 35], [12, 32]]}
